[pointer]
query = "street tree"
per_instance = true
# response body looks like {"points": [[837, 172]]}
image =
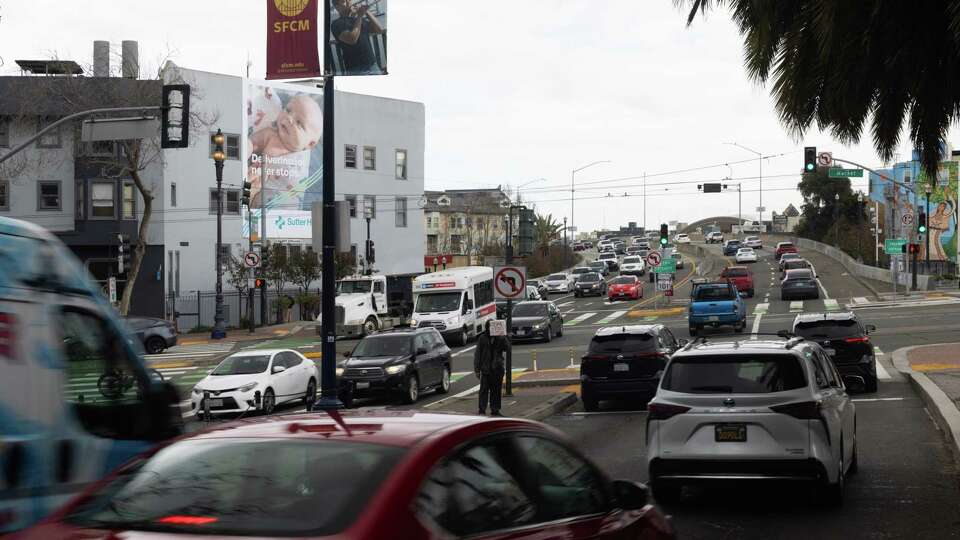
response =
{"points": [[545, 230], [278, 272], [238, 275], [838, 64]]}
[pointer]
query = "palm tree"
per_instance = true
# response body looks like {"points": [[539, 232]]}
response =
{"points": [[839, 63], [545, 230]]}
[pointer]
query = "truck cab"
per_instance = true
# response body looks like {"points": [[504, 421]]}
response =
{"points": [[368, 303]]}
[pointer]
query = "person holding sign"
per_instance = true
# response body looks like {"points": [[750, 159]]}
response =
{"points": [[489, 366]]}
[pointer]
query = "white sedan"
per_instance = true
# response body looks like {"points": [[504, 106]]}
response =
{"points": [[560, 283], [746, 254], [753, 242], [682, 239], [256, 381]]}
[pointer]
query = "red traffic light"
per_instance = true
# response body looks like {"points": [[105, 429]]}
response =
{"points": [[260, 283]]}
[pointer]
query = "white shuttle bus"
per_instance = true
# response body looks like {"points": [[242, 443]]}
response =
{"points": [[457, 302]]}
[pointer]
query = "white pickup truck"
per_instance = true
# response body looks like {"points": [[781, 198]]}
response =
{"points": [[366, 304]]}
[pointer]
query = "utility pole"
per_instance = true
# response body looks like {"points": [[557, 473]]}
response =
{"points": [[836, 220], [264, 248], [508, 260]]}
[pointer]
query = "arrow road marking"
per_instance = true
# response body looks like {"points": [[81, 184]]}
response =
{"points": [[796, 306]]}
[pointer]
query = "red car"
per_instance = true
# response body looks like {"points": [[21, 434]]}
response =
{"points": [[741, 277], [351, 475], [625, 287], [785, 247]]}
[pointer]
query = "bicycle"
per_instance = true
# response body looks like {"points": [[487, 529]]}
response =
{"points": [[115, 382]]}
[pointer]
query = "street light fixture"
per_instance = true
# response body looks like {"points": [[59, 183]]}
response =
{"points": [[572, 176], [219, 328], [760, 162]]}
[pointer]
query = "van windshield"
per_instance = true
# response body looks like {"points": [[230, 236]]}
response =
{"points": [[354, 286], [431, 303]]}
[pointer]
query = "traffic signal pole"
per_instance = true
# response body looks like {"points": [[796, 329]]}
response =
{"points": [[508, 260]]}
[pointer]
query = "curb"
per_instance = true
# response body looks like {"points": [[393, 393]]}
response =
{"points": [[545, 382], [552, 406], [941, 407]]}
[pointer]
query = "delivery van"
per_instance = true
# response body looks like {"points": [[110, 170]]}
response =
{"points": [[456, 301], [76, 399]]}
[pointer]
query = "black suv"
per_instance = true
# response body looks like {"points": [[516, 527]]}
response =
{"points": [[590, 284], [402, 362], [625, 362], [846, 339]]}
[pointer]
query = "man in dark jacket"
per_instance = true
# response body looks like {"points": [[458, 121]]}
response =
{"points": [[488, 366]]}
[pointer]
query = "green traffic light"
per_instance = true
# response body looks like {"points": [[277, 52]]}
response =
{"points": [[809, 166], [663, 241], [923, 228]]}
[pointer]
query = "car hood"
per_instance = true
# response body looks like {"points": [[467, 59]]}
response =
{"points": [[226, 382], [371, 361], [528, 321], [587, 284]]}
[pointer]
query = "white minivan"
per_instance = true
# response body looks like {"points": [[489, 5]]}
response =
{"points": [[457, 301]]}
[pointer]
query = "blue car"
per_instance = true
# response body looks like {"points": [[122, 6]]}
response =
{"points": [[731, 247], [716, 304]]}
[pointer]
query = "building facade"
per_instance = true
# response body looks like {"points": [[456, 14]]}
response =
{"points": [[466, 224]]}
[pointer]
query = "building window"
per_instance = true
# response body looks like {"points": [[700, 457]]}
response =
{"points": [[401, 210], [232, 206], [456, 244], [401, 164], [103, 200], [431, 243], [469, 222], [98, 148], [80, 200], [173, 194], [128, 201], [4, 132], [51, 139], [231, 145], [350, 156], [4, 195], [453, 222], [369, 201], [369, 158], [352, 199], [48, 195]]}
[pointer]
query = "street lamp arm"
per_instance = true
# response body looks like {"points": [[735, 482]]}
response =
{"points": [[744, 147], [592, 164]]}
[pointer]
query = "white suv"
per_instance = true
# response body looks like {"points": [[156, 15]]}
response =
{"points": [[632, 266], [751, 410], [682, 238]]}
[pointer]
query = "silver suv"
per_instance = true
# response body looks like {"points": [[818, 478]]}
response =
{"points": [[757, 409]]}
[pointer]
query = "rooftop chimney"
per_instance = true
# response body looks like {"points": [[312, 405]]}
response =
{"points": [[130, 60], [101, 58]]}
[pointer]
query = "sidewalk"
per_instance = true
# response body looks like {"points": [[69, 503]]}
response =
{"points": [[242, 334], [934, 371]]}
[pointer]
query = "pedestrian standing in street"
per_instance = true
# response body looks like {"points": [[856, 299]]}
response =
{"points": [[488, 366]]}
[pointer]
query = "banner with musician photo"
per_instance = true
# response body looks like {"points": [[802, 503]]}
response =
{"points": [[358, 37]]}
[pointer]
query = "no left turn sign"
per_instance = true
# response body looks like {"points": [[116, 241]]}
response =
{"points": [[251, 259], [654, 258], [509, 282]]}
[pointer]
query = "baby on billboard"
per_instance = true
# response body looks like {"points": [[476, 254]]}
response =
{"points": [[284, 129]]}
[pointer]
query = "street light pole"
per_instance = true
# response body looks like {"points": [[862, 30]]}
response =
{"points": [[368, 215], [573, 175], [926, 234], [760, 161], [836, 220], [219, 330]]}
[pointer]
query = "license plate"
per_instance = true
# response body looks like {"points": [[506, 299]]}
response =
{"points": [[831, 352], [363, 385], [730, 433], [713, 318], [216, 403], [621, 367]]}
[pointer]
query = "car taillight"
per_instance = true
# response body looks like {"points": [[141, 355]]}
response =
{"points": [[857, 340], [663, 411], [7, 333], [594, 357], [187, 520], [804, 410]]}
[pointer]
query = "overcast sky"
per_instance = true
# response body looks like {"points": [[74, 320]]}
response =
{"points": [[514, 91]]}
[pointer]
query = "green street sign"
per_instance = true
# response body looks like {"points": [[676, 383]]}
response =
{"points": [[667, 266], [837, 172], [893, 245]]}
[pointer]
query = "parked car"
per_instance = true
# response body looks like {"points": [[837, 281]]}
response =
{"points": [[741, 277], [559, 283], [625, 288], [714, 237], [753, 242], [625, 362], [845, 339], [610, 258], [751, 409], [540, 285], [536, 320], [788, 257], [799, 284], [745, 254], [715, 304], [677, 256], [402, 363], [785, 247], [682, 238], [600, 267], [731, 247], [363, 476], [156, 335], [633, 265], [256, 381], [590, 284]]}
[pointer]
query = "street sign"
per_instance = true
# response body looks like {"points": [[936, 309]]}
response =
{"points": [[906, 219], [825, 159], [893, 245], [251, 259], [664, 285], [509, 282], [112, 285], [761, 209], [837, 172], [498, 327], [667, 266], [654, 258]]}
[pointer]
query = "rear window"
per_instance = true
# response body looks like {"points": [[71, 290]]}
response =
{"points": [[581, 270], [785, 245], [623, 343], [729, 374], [735, 272], [625, 280], [556, 277], [589, 278], [706, 292], [826, 329], [608, 255], [631, 260], [262, 487]]}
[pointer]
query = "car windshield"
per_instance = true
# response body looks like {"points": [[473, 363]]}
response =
{"points": [[557, 277], [709, 293], [530, 310], [354, 286], [242, 365], [827, 329], [735, 272], [372, 346], [623, 343], [581, 270], [625, 280], [438, 302], [608, 255], [590, 278], [262, 487], [631, 260], [597, 265], [734, 374]]}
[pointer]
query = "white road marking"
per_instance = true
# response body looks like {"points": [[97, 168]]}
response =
{"points": [[465, 393], [860, 300], [565, 304], [823, 289], [582, 413], [580, 319], [796, 306], [831, 304], [611, 317], [879, 399], [761, 308], [756, 326], [881, 371], [877, 351], [461, 351], [172, 356]]}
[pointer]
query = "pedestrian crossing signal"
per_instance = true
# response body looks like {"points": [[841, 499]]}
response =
{"points": [[260, 283]]}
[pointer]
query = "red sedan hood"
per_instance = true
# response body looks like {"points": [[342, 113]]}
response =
{"points": [[66, 532], [618, 288]]}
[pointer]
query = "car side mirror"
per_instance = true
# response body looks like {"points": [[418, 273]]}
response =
{"points": [[346, 354], [871, 328], [854, 383], [279, 369], [630, 495], [421, 351]]}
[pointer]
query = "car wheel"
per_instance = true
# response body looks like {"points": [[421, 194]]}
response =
{"points": [[752, 293], [411, 390], [347, 399], [832, 494], [269, 402], [311, 396], [854, 463], [740, 326], [590, 403], [870, 384], [155, 345], [444, 381], [370, 326], [560, 330], [462, 337], [549, 336]]}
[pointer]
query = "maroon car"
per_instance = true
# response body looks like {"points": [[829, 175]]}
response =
{"points": [[377, 474]]}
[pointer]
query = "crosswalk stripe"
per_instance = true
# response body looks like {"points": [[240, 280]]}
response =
{"points": [[830, 304], [860, 300], [761, 308], [613, 316], [579, 319], [796, 306], [881, 371], [565, 304]]}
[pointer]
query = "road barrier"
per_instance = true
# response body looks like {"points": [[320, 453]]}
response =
{"points": [[533, 359]]}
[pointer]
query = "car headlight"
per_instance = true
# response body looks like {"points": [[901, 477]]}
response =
{"points": [[197, 390], [393, 370], [413, 322], [596, 286], [538, 326], [339, 372], [248, 387]]}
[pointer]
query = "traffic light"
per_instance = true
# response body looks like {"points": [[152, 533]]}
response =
{"points": [[259, 283], [124, 253], [525, 233], [175, 116], [371, 252], [810, 159], [903, 248], [663, 235], [245, 194], [922, 223], [913, 248]]}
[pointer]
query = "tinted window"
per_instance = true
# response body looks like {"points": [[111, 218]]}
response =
{"points": [[625, 280], [728, 374], [557, 277], [242, 365], [631, 260], [735, 272], [530, 310], [826, 329], [568, 486], [265, 487], [383, 346], [292, 359], [623, 343], [707, 293], [590, 278], [581, 270], [476, 491]]}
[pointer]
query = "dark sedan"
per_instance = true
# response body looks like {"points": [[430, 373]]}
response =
{"points": [[600, 268], [536, 320], [799, 284], [590, 284], [156, 334]]}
